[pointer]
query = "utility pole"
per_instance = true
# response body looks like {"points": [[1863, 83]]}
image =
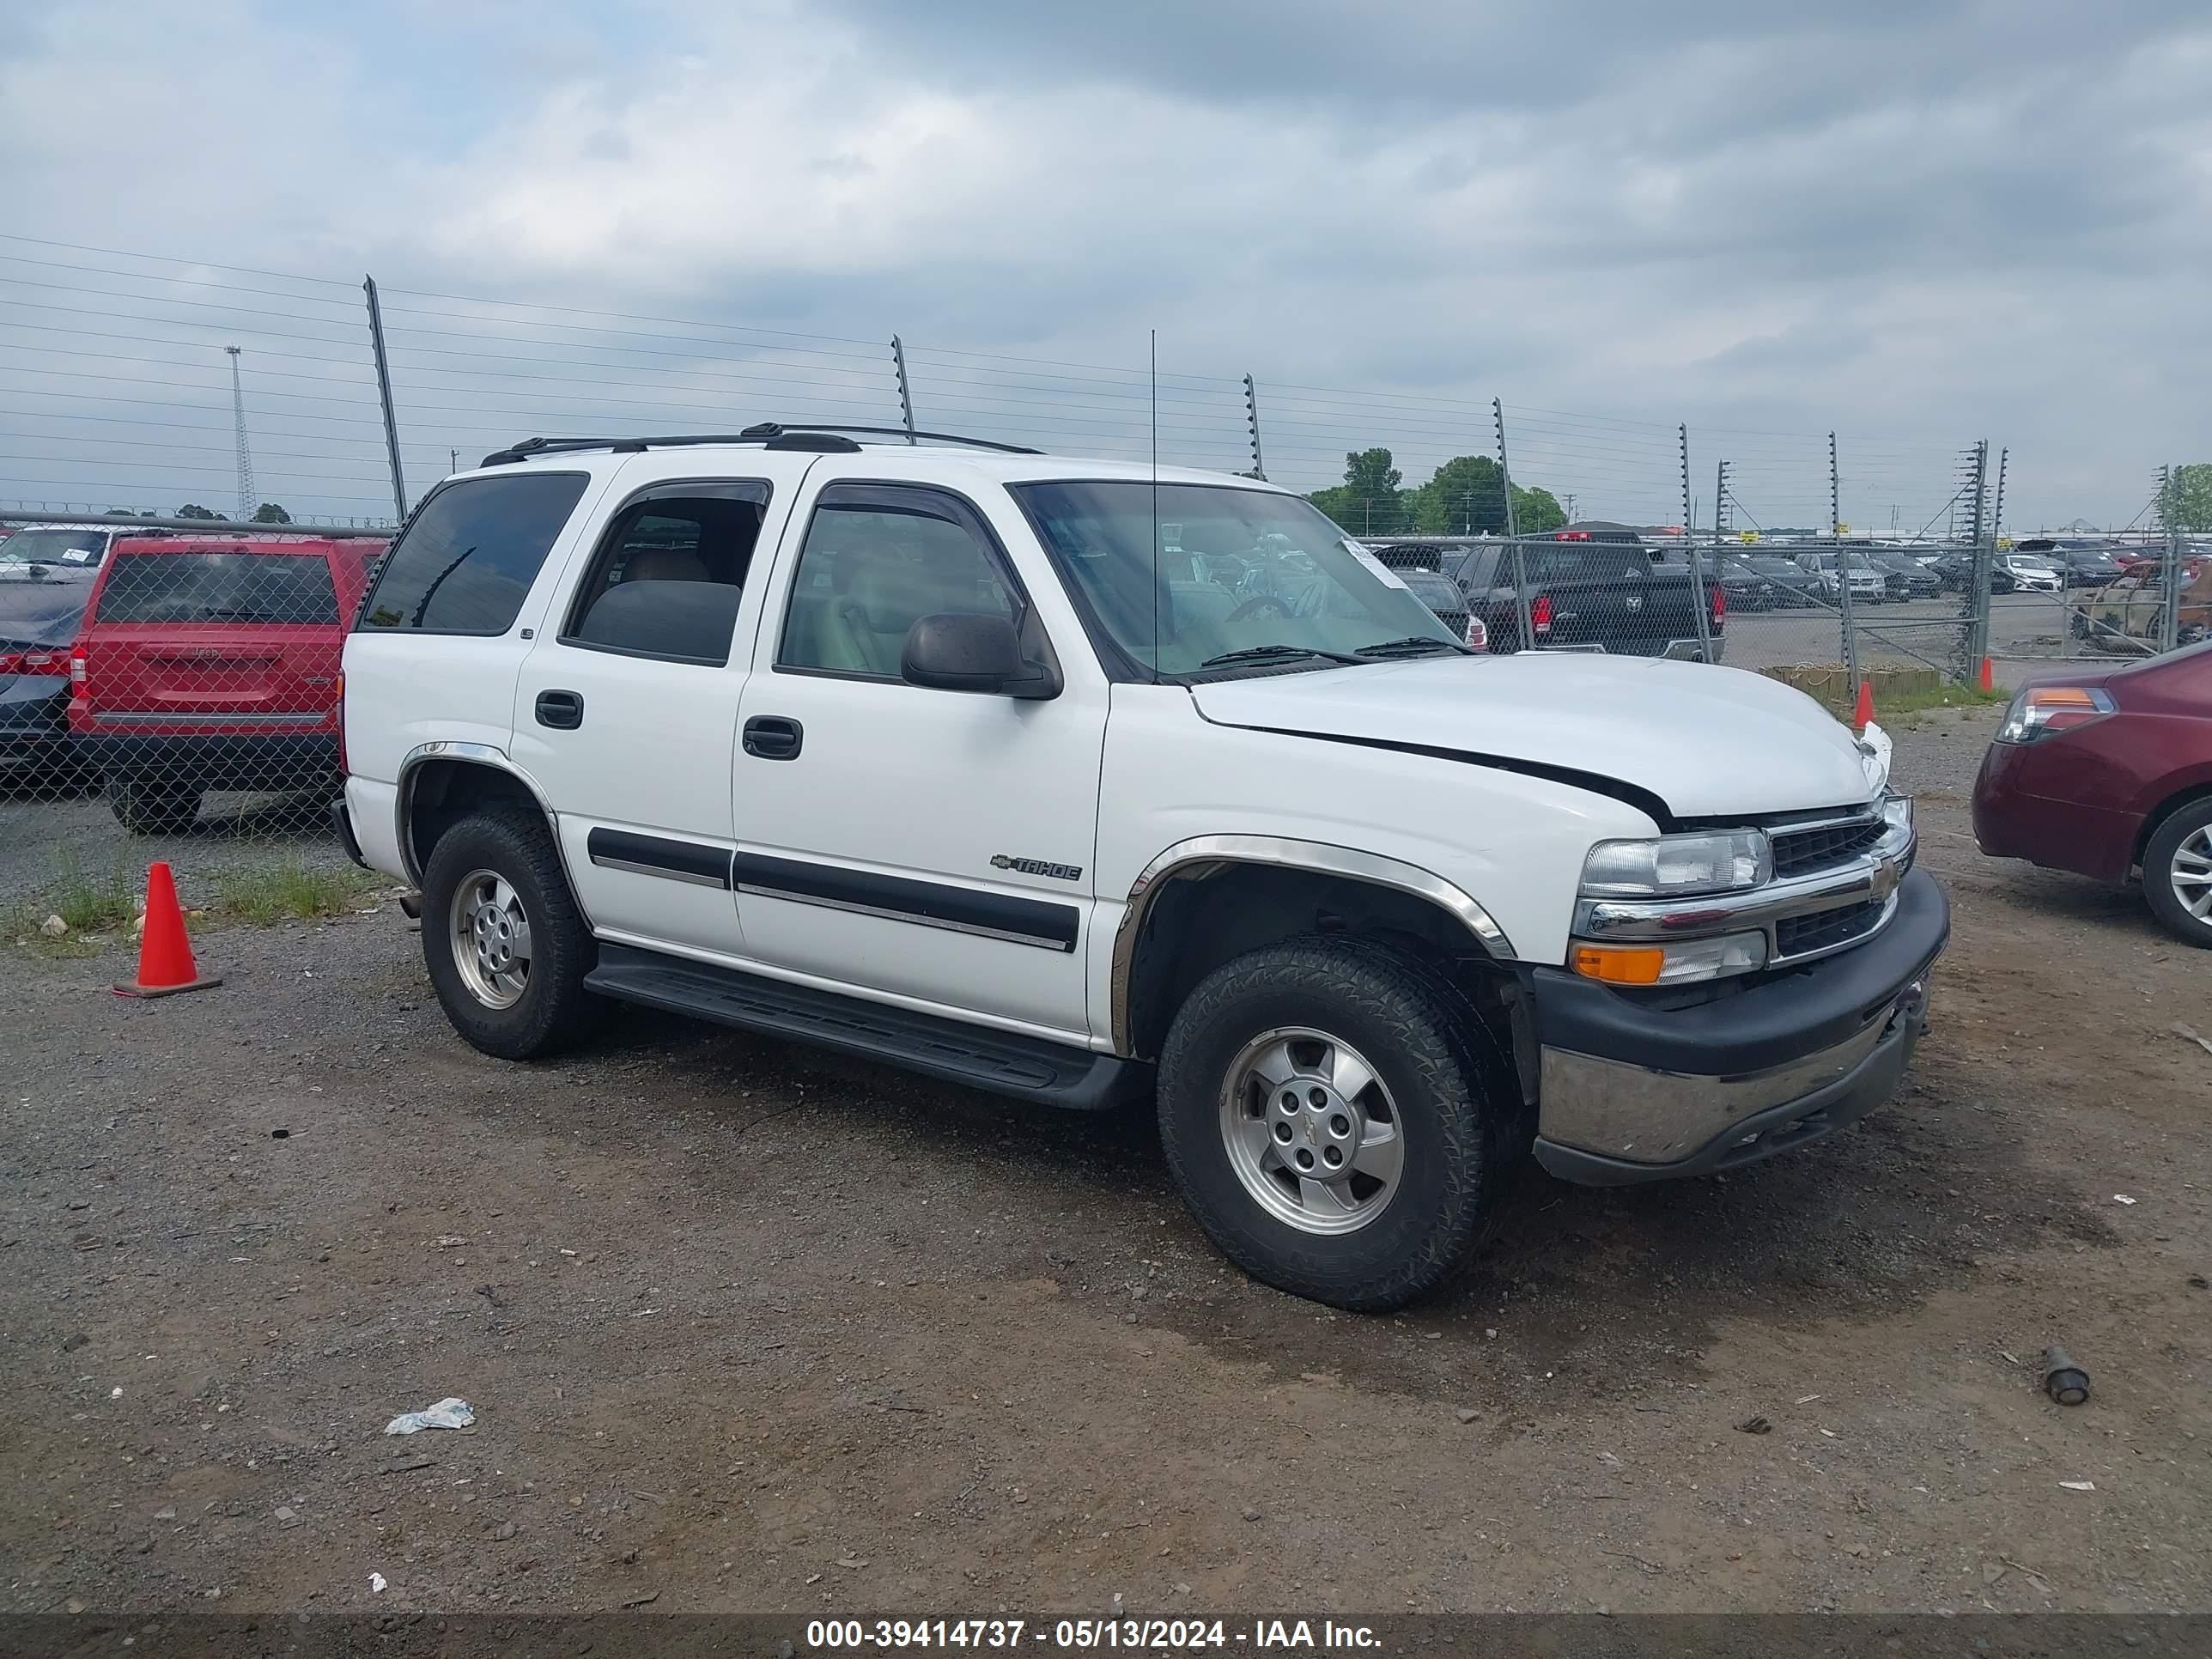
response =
{"points": [[383, 394], [245, 501], [905, 391], [1252, 421]]}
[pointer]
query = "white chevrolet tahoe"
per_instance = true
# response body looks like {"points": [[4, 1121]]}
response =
{"points": [[1082, 785]]}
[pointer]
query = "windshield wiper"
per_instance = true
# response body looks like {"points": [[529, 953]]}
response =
{"points": [[1413, 645], [1264, 652]]}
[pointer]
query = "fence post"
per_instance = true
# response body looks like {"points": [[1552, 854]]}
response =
{"points": [[1252, 421], [906, 394], [1843, 571], [2169, 619], [1690, 541], [383, 392], [1527, 631]]}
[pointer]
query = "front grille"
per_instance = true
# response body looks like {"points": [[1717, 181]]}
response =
{"points": [[1803, 852], [1798, 936]]}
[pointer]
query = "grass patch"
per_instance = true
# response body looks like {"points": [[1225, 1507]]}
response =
{"points": [[293, 891], [90, 900], [1900, 705]]}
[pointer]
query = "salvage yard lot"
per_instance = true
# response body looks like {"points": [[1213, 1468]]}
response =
{"points": [[747, 1327]]}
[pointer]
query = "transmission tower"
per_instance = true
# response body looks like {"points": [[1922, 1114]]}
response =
{"points": [[245, 501]]}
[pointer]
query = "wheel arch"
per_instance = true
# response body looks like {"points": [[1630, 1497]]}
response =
{"points": [[2187, 795], [1211, 898], [442, 782]]}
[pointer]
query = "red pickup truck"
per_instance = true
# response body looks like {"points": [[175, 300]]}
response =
{"points": [[213, 664]]}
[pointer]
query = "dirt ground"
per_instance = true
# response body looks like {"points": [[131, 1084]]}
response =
{"points": [[750, 1329]]}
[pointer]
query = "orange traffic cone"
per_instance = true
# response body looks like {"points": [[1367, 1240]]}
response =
{"points": [[1988, 680], [164, 952], [1864, 715]]}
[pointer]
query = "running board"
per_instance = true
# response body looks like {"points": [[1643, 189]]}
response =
{"points": [[1026, 1068]]}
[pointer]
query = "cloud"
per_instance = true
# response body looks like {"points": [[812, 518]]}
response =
{"points": [[1916, 224]]}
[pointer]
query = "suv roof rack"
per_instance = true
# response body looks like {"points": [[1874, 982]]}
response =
{"points": [[772, 435]]}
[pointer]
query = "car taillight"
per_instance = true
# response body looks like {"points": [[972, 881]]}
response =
{"points": [[1720, 603], [1571, 536], [33, 662], [1478, 635], [2042, 711], [342, 758], [1539, 614], [78, 660]]}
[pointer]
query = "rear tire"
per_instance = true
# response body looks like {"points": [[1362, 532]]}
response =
{"points": [[147, 808], [2177, 866], [1319, 1013], [506, 945]]}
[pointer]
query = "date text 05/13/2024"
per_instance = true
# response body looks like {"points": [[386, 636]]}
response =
{"points": [[1271, 1635]]}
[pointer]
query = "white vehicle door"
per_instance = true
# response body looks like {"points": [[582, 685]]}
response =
{"points": [[926, 846], [626, 709]]}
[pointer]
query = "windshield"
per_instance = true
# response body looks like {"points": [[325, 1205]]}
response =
{"points": [[34, 611], [1245, 569], [66, 547], [2030, 561], [1771, 567]]}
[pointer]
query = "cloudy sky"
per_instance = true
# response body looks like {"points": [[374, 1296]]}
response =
{"points": [[1917, 224]]}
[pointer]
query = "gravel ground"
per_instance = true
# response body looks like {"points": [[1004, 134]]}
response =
{"points": [[750, 1328]]}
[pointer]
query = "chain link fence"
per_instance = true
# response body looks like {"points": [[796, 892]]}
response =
{"points": [[200, 466]]}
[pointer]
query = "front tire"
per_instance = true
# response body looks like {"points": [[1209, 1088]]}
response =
{"points": [[1338, 1121], [2177, 866], [506, 945]]}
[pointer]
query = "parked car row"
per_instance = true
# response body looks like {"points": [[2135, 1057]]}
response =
{"points": [[1593, 586], [161, 666]]}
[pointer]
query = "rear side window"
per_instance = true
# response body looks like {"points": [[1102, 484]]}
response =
{"points": [[669, 573], [466, 560], [1593, 562], [218, 588]]}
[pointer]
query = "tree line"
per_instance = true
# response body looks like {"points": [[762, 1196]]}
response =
{"points": [[1466, 498], [267, 512]]}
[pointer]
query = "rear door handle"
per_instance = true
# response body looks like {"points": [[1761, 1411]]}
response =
{"points": [[771, 737], [561, 710]]}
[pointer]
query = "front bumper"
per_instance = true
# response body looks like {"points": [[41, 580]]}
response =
{"points": [[1630, 1091]]}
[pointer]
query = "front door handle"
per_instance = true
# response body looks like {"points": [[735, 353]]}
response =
{"points": [[561, 710], [771, 737]]}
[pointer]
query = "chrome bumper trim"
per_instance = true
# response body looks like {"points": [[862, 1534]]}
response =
{"points": [[1642, 1115]]}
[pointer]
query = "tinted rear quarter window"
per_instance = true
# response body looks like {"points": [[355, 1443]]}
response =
{"points": [[466, 561], [219, 587]]}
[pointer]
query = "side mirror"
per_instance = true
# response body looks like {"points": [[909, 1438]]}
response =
{"points": [[953, 652]]}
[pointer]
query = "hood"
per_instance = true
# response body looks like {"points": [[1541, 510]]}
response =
{"points": [[1706, 741]]}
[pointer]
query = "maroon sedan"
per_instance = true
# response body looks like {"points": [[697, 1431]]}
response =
{"points": [[2108, 771]]}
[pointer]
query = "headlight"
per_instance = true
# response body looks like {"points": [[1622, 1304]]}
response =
{"points": [[1678, 867], [2042, 710], [1678, 963], [1897, 811]]}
